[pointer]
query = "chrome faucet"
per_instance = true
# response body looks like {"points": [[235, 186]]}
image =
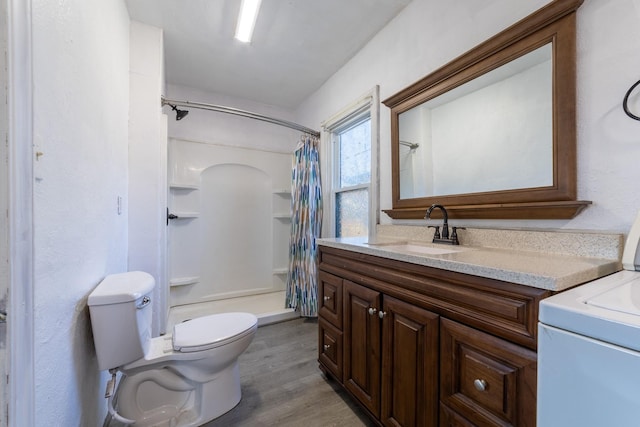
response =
{"points": [[444, 238]]}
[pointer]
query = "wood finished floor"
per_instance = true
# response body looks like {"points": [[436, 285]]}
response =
{"points": [[282, 385]]}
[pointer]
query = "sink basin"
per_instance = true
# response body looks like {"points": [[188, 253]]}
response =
{"points": [[418, 249]]}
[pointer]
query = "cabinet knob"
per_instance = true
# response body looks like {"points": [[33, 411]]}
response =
{"points": [[326, 298], [372, 311], [326, 347], [381, 314], [480, 385]]}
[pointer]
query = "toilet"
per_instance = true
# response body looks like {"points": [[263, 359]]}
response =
{"points": [[186, 378]]}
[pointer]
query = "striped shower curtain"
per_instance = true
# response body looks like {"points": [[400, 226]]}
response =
{"points": [[306, 224]]}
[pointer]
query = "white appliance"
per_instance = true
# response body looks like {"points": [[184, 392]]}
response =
{"points": [[589, 350]]}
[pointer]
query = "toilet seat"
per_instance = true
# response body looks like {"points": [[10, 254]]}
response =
{"points": [[207, 332]]}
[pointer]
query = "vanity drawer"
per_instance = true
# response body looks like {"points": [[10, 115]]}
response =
{"points": [[485, 378], [330, 348], [330, 298]]}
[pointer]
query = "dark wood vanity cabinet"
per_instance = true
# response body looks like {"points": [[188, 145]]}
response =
{"points": [[390, 356], [330, 323], [362, 345], [485, 379], [409, 364], [419, 346]]}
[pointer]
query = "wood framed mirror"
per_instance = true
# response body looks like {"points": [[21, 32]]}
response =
{"points": [[492, 134]]}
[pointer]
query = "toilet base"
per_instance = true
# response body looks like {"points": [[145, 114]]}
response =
{"points": [[163, 398], [221, 395]]}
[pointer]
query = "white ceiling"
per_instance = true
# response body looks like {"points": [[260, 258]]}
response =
{"points": [[297, 44]]}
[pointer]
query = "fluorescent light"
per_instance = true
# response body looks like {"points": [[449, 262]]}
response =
{"points": [[247, 19]]}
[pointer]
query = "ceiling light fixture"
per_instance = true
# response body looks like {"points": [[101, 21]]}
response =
{"points": [[247, 19]]}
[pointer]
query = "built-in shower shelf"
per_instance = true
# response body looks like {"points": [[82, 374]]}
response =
{"points": [[182, 186], [183, 281], [186, 215], [280, 271], [283, 216]]}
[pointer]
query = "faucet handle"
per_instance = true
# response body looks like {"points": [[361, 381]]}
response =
{"points": [[454, 234], [436, 235]]}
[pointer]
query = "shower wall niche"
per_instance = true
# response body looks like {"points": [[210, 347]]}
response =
{"points": [[231, 234]]}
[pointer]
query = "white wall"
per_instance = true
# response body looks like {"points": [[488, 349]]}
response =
{"points": [[225, 129], [148, 165], [429, 33], [80, 110]]}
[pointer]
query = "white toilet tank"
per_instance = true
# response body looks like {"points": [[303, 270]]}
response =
{"points": [[120, 309]]}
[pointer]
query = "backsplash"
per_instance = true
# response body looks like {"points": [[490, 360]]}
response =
{"points": [[575, 242]]}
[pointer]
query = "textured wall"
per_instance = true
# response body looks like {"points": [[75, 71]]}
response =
{"points": [[81, 105], [148, 164], [429, 33]]}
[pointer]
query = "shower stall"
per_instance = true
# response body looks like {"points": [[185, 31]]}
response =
{"points": [[229, 213], [229, 226]]}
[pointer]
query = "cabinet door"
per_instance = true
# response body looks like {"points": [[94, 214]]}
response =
{"points": [[485, 379], [330, 298], [449, 418], [409, 365], [362, 345], [330, 348]]}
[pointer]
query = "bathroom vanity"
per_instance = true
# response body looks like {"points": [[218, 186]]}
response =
{"points": [[424, 335]]}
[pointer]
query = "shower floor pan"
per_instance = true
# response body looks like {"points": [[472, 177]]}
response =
{"points": [[268, 308]]}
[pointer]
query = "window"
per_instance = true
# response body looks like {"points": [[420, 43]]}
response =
{"points": [[350, 162], [352, 165]]}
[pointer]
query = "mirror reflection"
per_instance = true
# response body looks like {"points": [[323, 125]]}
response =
{"points": [[492, 133]]}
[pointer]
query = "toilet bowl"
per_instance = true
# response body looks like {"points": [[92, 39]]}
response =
{"points": [[186, 378]]}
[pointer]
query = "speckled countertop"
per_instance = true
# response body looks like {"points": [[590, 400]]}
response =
{"points": [[543, 269]]}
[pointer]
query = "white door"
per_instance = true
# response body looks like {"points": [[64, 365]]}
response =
{"points": [[16, 213], [4, 226]]}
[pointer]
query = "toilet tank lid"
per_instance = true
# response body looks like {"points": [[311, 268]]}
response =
{"points": [[122, 287]]}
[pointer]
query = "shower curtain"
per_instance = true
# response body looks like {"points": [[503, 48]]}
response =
{"points": [[306, 224]]}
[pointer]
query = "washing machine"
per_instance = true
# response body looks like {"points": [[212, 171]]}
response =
{"points": [[589, 350]]}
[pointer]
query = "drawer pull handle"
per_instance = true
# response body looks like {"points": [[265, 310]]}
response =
{"points": [[326, 298], [372, 311], [480, 385], [381, 314], [326, 347]]}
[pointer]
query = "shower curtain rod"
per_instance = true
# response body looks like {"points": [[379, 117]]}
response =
{"points": [[411, 145], [238, 112]]}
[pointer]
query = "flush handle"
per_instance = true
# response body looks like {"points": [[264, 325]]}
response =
{"points": [[144, 302]]}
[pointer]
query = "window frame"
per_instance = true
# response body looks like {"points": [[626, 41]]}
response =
{"points": [[367, 106]]}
